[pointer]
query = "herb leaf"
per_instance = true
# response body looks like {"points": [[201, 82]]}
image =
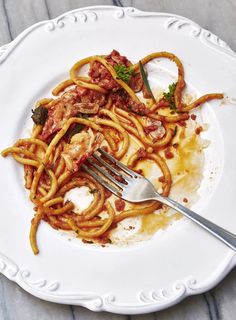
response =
{"points": [[169, 96], [175, 131], [77, 128], [40, 115], [145, 80], [123, 73], [92, 191]]}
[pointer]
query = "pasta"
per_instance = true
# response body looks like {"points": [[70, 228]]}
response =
{"points": [[99, 109]]}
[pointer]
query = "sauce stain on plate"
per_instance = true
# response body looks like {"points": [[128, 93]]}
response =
{"points": [[186, 168]]}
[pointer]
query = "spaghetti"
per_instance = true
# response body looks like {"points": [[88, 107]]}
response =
{"points": [[99, 109]]}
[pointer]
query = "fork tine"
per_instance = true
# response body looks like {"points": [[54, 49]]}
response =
{"points": [[106, 174], [118, 163], [104, 183], [109, 167]]}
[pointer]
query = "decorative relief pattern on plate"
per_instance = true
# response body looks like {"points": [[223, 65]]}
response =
{"points": [[92, 14], [204, 35], [45, 288], [179, 22], [177, 291], [24, 276], [195, 29], [8, 267], [156, 299], [13, 272], [81, 17]]}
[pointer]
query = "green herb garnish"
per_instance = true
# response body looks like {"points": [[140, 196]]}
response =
{"points": [[175, 131], [92, 191], [40, 115], [169, 96], [140, 113], [87, 241], [74, 130], [77, 128], [123, 73], [145, 80]]}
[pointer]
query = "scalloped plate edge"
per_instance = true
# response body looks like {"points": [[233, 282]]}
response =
{"points": [[154, 300], [88, 13], [148, 302]]}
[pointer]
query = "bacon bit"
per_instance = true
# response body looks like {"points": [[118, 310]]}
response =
{"points": [[69, 105], [87, 241], [105, 148], [142, 153], [139, 171], [185, 200], [116, 58], [119, 204], [136, 107], [169, 154], [175, 145], [101, 76], [154, 128], [193, 116], [198, 130], [104, 238], [120, 179], [182, 123], [150, 128], [122, 100], [107, 193], [83, 159], [162, 104], [162, 179], [104, 208]]}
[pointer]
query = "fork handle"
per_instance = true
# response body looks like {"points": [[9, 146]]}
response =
{"points": [[227, 237]]}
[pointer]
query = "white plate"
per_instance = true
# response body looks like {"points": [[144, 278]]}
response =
{"points": [[151, 276]]}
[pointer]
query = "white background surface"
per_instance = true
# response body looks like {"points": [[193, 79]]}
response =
{"points": [[219, 17]]}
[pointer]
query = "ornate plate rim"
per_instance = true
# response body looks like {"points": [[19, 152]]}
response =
{"points": [[152, 301]]}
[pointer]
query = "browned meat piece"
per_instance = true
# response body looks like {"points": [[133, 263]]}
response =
{"points": [[71, 103]]}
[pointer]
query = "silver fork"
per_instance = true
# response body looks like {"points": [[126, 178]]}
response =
{"points": [[133, 187]]}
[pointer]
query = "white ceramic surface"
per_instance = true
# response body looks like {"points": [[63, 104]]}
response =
{"points": [[160, 272]]}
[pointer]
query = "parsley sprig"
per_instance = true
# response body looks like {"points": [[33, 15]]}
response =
{"points": [[40, 115], [169, 96], [123, 73], [145, 80]]}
